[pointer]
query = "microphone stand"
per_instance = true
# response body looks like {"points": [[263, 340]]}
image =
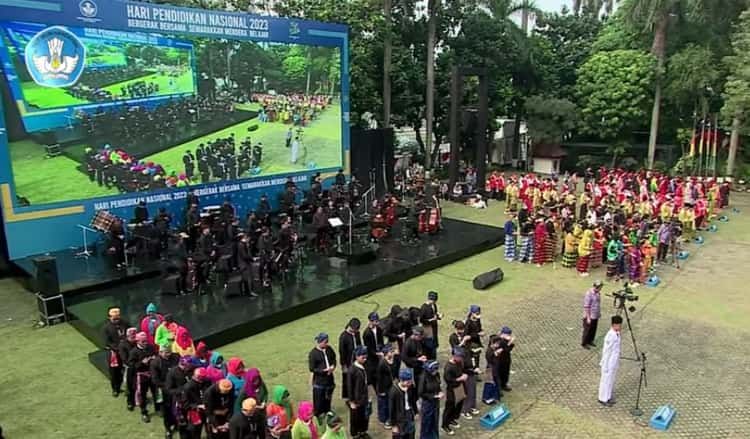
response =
{"points": [[351, 215]]}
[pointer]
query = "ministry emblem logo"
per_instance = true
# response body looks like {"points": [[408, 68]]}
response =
{"points": [[88, 8], [55, 57]]}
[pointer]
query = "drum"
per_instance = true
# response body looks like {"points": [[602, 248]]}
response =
{"points": [[433, 222], [378, 228], [422, 221]]}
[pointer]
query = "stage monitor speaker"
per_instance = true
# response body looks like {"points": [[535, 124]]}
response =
{"points": [[170, 284], [47, 281], [486, 280], [233, 287]]}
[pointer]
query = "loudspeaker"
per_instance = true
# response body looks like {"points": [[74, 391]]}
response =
{"points": [[486, 280], [170, 284], [47, 282], [233, 287]]}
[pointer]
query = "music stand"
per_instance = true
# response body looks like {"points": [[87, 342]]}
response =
{"points": [[335, 223], [85, 253]]}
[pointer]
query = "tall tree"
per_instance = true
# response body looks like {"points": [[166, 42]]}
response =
{"points": [[737, 92], [432, 16], [387, 53]]}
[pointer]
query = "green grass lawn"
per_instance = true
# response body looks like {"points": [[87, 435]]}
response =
{"points": [[49, 390], [48, 180], [322, 138], [46, 97]]}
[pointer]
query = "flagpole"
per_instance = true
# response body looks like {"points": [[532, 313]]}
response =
{"points": [[700, 145], [716, 145]]}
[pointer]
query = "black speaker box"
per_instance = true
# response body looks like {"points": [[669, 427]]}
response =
{"points": [[47, 281], [486, 280], [170, 284], [233, 287]]}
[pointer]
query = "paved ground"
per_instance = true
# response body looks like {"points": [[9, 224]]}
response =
{"points": [[692, 327]]}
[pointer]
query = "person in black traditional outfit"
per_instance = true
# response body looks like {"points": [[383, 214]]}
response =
{"points": [[126, 345], [193, 406], [428, 389], [402, 403], [249, 423], [373, 339], [414, 353], [506, 345], [245, 264], [219, 401], [358, 397], [322, 364], [395, 330], [454, 377], [140, 361], [174, 383], [428, 317], [160, 367], [385, 374], [471, 363], [114, 334], [349, 341]]}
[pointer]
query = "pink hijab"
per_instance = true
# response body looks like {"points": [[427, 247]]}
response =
{"points": [[305, 414]]}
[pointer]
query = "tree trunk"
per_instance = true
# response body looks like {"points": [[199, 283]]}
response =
{"points": [[309, 71], [734, 143], [387, 48], [430, 89], [525, 21], [657, 49], [576, 6], [420, 140]]}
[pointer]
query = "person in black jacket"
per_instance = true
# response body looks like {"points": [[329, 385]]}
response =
{"points": [[114, 334], [414, 353], [140, 362], [192, 405], [394, 329], [219, 401], [505, 346], [123, 350], [385, 374], [373, 340], [160, 367], [249, 423], [471, 363], [402, 403], [428, 389], [349, 341], [428, 317], [358, 396], [454, 377], [322, 364]]}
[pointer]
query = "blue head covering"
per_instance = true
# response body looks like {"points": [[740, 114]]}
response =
{"points": [[405, 375]]}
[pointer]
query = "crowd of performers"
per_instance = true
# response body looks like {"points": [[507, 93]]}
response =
{"points": [[629, 221], [389, 364], [298, 110], [221, 159]]}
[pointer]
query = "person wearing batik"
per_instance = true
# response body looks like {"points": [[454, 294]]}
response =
{"points": [[700, 213], [614, 249], [219, 402], [183, 343], [254, 387], [126, 345], [114, 334], [307, 426], [597, 250], [649, 252], [151, 322], [140, 362], [585, 246], [511, 197], [550, 242], [583, 205], [281, 409], [687, 218], [216, 369], [236, 374], [510, 230], [166, 332], [635, 264], [540, 242], [527, 241], [570, 254], [159, 367]]}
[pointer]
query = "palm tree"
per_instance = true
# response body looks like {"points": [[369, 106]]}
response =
{"points": [[387, 49], [655, 15], [429, 109]]}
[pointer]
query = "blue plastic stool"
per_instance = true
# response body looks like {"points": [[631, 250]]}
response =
{"points": [[712, 228], [653, 281], [735, 210], [312, 165], [698, 240], [724, 219], [683, 255], [662, 417], [495, 418]]}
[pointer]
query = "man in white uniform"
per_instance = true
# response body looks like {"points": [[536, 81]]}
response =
{"points": [[610, 362], [295, 150]]}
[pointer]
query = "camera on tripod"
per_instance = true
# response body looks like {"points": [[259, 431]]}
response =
{"points": [[624, 295]]}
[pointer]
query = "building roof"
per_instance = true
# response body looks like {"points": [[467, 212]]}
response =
{"points": [[549, 151]]}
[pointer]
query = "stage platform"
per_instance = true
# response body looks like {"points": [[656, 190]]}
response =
{"points": [[320, 283]]}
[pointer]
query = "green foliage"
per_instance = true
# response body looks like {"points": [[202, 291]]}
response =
{"points": [[613, 90], [690, 73], [569, 38], [737, 90], [549, 119]]}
